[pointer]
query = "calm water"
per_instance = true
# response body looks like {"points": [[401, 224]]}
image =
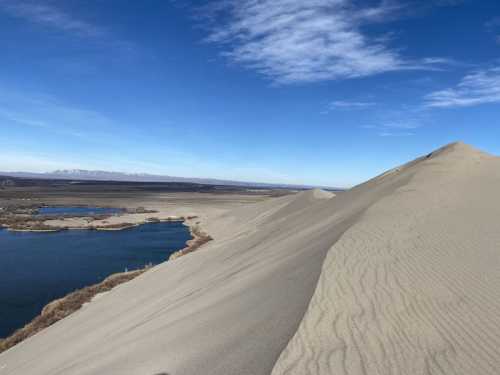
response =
{"points": [[79, 211], [36, 268]]}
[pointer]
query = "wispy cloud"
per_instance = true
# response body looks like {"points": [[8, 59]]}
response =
{"points": [[398, 123], [346, 105], [306, 41], [20, 119], [492, 24], [479, 87], [51, 16], [393, 134], [350, 104], [393, 130], [51, 115]]}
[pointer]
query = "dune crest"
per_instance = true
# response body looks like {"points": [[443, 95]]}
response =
{"points": [[319, 194], [410, 288], [398, 275]]}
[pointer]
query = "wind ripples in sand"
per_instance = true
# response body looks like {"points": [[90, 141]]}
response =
{"points": [[413, 286]]}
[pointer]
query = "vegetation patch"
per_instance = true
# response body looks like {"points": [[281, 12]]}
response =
{"points": [[120, 226], [61, 308], [199, 238]]}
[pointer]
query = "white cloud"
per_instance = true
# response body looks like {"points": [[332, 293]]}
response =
{"points": [[393, 130], [306, 41], [51, 16], [480, 87], [349, 104], [346, 105], [408, 124], [390, 134]]}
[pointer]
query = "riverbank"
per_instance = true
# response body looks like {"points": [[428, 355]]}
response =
{"points": [[74, 301], [63, 307], [13, 229]]}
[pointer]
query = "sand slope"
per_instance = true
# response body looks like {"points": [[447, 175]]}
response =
{"points": [[403, 272], [228, 308], [413, 287]]}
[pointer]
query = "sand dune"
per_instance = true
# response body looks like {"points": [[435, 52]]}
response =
{"points": [[412, 287], [399, 275]]}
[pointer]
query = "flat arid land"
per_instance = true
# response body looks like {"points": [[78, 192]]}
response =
{"points": [[399, 275]]}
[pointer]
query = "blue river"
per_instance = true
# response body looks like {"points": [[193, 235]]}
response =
{"points": [[36, 268]]}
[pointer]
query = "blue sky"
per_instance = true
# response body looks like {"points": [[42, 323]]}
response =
{"points": [[326, 92]]}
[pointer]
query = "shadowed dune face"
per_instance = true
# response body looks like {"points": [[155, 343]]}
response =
{"points": [[395, 276]]}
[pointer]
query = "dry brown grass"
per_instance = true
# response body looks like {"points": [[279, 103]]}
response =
{"points": [[61, 308], [11, 219], [119, 226], [199, 238], [27, 224]]}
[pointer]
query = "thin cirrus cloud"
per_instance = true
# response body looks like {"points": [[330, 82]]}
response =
{"points": [[52, 116], [492, 24], [346, 105], [293, 41], [398, 123], [350, 104], [393, 134], [479, 87], [393, 130], [51, 16]]}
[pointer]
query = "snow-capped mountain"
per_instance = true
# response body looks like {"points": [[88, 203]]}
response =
{"points": [[96, 175]]}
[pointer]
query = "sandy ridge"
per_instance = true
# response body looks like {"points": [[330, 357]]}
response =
{"points": [[411, 288]]}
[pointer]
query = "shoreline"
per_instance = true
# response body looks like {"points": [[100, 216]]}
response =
{"points": [[111, 227], [60, 308], [10, 229], [199, 239]]}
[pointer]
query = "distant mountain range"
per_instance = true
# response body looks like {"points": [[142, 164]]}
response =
{"points": [[88, 175]]}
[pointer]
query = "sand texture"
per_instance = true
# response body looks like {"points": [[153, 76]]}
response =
{"points": [[399, 275], [413, 287]]}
